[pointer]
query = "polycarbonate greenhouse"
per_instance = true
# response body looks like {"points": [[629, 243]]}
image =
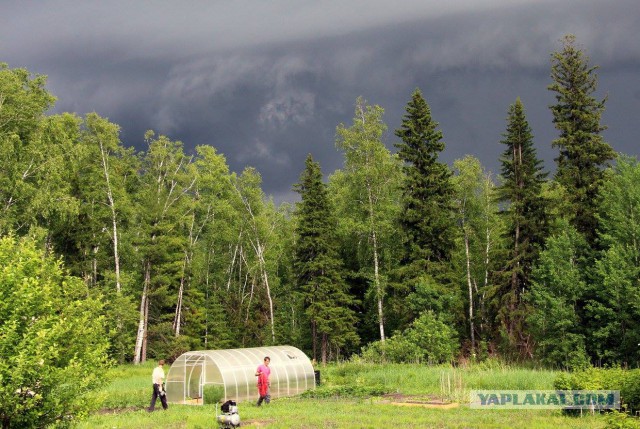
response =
{"points": [[234, 371]]}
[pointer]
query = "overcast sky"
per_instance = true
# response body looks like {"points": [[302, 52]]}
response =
{"points": [[267, 82]]}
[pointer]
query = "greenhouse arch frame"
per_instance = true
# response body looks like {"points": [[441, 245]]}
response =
{"points": [[233, 370]]}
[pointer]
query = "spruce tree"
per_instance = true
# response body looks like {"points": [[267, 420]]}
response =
{"points": [[317, 267], [428, 211], [526, 221], [583, 151]]}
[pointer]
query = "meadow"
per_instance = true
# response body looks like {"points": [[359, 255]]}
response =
{"points": [[349, 397]]}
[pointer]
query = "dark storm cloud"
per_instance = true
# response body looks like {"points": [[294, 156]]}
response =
{"points": [[266, 83]]}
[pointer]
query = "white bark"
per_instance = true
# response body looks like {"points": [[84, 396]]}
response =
{"points": [[470, 286], [178, 314], [376, 265], [114, 222], [259, 249], [138, 355]]}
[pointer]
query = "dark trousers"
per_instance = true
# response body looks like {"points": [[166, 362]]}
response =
{"points": [[266, 398], [156, 394]]}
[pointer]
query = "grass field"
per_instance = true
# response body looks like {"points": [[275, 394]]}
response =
{"points": [[123, 401]]}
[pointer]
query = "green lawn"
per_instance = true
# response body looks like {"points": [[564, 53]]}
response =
{"points": [[122, 401]]}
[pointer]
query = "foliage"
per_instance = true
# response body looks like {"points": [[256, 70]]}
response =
{"points": [[212, 394], [427, 216], [583, 151], [52, 339], [526, 229], [23, 153], [366, 195], [615, 295], [358, 385], [620, 420], [558, 285], [349, 391], [427, 340], [185, 254], [479, 247], [319, 271], [616, 378], [630, 391]]}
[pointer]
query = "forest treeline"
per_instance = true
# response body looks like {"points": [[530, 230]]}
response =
{"points": [[396, 256]]}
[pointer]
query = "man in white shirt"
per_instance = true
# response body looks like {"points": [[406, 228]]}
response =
{"points": [[157, 378]]}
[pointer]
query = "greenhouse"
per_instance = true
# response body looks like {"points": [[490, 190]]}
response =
{"points": [[232, 373]]}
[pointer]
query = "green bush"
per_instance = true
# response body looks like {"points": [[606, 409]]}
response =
{"points": [[52, 339], [427, 340], [212, 394], [626, 381], [592, 379], [617, 420], [348, 391], [630, 390]]}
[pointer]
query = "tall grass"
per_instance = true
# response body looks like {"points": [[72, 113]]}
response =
{"points": [[128, 386], [443, 382], [125, 397]]}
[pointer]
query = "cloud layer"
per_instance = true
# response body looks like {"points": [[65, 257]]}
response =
{"points": [[268, 82]]}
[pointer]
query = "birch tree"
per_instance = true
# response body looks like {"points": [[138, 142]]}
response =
{"points": [[480, 235], [259, 230], [163, 198], [368, 197]]}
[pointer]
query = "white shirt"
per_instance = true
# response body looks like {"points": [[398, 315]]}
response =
{"points": [[158, 375]]}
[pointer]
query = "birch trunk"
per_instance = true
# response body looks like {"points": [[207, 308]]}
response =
{"points": [[112, 206], [138, 356], [143, 352], [265, 279], [259, 249], [470, 286], [376, 267], [178, 314]]}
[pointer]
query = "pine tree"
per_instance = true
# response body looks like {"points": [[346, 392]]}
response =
{"points": [[428, 211], [319, 279], [526, 221], [583, 151]]}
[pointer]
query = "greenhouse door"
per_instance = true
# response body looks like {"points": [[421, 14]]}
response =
{"points": [[195, 381]]}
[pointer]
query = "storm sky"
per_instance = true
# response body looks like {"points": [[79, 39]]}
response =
{"points": [[267, 82]]}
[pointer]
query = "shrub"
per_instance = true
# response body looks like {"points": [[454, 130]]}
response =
{"points": [[436, 340], [212, 394], [592, 379], [348, 391], [627, 382], [630, 390], [52, 339], [617, 420], [427, 340]]}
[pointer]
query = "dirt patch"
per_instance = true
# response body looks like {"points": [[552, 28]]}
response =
{"points": [[426, 401]]}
